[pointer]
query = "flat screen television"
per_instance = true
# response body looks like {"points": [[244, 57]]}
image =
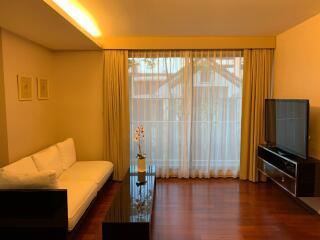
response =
{"points": [[286, 125]]}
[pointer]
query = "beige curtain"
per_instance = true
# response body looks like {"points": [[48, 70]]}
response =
{"points": [[258, 65], [116, 111]]}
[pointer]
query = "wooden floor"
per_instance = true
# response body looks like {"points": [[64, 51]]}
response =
{"points": [[216, 209]]}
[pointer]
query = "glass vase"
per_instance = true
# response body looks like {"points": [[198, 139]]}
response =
{"points": [[141, 164]]}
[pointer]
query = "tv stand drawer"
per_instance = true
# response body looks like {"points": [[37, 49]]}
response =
{"points": [[278, 161], [295, 175], [281, 178]]}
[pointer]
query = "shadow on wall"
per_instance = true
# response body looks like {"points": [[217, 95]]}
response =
{"points": [[314, 132]]}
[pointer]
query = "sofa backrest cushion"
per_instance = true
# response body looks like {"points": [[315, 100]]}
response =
{"points": [[24, 165], [67, 153], [48, 159], [13, 180]]}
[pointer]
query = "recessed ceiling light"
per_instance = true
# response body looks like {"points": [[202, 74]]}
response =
{"points": [[78, 13]]}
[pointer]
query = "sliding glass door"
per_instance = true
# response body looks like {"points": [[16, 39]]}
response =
{"points": [[190, 105]]}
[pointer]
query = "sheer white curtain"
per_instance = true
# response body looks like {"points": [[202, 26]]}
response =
{"points": [[190, 105]]}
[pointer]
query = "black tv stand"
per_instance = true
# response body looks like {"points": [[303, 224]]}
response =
{"points": [[277, 150], [296, 175], [281, 153]]}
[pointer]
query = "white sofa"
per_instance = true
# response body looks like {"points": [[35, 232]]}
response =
{"points": [[82, 179]]}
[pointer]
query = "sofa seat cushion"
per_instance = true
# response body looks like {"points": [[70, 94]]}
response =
{"points": [[80, 195], [97, 171]]}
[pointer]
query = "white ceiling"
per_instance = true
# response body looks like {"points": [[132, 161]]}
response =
{"points": [[199, 17], [36, 21]]}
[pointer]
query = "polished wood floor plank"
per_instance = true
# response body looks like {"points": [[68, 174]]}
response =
{"points": [[229, 209], [209, 209]]}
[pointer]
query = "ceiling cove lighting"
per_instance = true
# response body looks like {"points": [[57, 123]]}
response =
{"points": [[78, 13]]}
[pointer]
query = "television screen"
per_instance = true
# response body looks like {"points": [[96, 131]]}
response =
{"points": [[287, 125]]}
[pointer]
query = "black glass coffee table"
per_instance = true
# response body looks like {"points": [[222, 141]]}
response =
{"points": [[130, 214]]}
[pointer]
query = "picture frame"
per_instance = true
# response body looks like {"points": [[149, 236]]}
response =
{"points": [[43, 88], [25, 88]]}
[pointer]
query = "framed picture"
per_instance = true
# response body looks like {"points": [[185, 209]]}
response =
{"points": [[25, 88], [43, 88]]}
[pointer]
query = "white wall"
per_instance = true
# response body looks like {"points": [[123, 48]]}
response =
{"points": [[78, 77], [30, 124], [297, 73]]}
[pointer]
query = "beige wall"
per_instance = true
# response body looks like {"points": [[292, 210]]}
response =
{"points": [[74, 108], [78, 78], [30, 124], [4, 159], [297, 71]]}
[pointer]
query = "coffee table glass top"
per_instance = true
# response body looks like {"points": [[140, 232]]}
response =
{"points": [[133, 202]]}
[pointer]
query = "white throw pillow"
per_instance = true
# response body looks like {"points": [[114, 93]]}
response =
{"points": [[67, 153], [48, 159], [13, 180]]}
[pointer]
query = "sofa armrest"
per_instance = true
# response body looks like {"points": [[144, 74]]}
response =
{"points": [[34, 213]]}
